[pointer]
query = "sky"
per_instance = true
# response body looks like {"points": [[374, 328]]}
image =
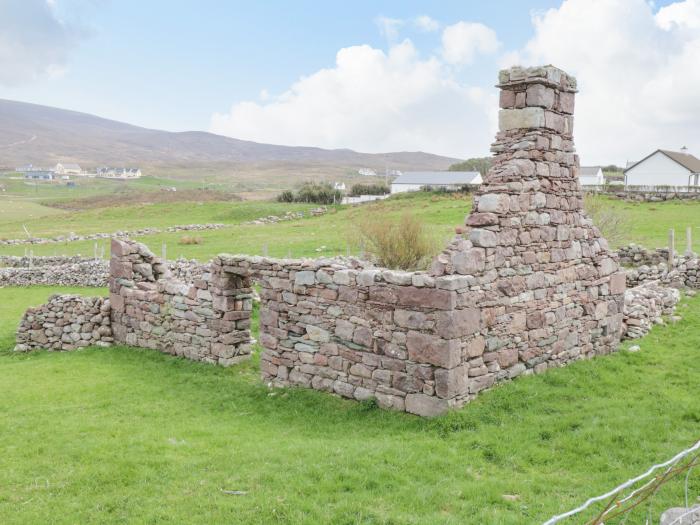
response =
{"points": [[372, 76]]}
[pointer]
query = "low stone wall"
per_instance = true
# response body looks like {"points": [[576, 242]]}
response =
{"points": [[77, 271], [206, 319], [55, 272], [645, 306], [66, 322], [120, 234], [636, 255]]}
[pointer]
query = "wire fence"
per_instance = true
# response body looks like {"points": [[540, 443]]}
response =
{"points": [[620, 502]]}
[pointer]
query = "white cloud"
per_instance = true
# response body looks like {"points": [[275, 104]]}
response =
{"points": [[372, 101], [638, 73], [426, 24], [389, 27], [462, 41], [34, 42]]}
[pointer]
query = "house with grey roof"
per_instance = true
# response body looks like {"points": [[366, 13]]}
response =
{"points": [[664, 168], [65, 168], [451, 180], [591, 176]]}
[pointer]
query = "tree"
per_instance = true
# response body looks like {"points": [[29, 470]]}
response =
{"points": [[480, 164]]}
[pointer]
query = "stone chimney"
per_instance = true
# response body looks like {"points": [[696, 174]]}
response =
{"points": [[543, 276]]}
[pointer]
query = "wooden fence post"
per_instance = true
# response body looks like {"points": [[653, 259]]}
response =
{"points": [[671, 247], [688, 241]]}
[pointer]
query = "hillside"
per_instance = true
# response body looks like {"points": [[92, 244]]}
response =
{"points": [[37, 134]]}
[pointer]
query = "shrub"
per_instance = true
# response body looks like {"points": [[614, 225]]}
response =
{"points": [[369, 189], [189, 239], [312, 192], [402, 243], [610, 220], [285, 196]]}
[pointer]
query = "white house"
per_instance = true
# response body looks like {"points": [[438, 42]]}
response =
{"points": [[664, 168], [452, 180], [591, 176], [67, 169], [118, 173]]}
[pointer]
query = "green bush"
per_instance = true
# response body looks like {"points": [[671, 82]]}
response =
{"points": [[313, 192], [369, 189]]}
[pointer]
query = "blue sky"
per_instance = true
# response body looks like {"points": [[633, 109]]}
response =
{"points": [[180, 65]]}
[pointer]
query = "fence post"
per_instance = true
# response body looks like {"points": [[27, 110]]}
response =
{"points": [[671, 247], [164, 251], [688, 241], [95, 251], [264, 250]]}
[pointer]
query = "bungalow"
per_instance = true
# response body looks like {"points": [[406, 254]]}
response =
{"points": [[451, 180], [664, 168], [67, 169], [591, 176], [39, 174]]}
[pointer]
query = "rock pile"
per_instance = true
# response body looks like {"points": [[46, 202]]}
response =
{"points": [[66, 322], [119, 234], [645, 306], [636, 255]]}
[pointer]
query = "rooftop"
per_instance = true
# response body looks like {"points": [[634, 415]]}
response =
{"points": [[437, 177]]}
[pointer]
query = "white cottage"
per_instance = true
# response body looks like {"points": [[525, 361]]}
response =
{"points": [[664, 168], [451, 180], [591, 176]]}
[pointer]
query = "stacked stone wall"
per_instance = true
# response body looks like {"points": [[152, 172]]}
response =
{"points": [[66, 322], [53, 271], [205, 319]]}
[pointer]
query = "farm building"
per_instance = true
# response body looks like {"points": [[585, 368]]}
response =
{"points": [[67, 169], [451, 180], [664, 168], [591, 176], [39, 174], [121, 173]]}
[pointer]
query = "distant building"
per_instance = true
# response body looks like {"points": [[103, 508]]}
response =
{"points": [[367, 172], [664, 168], [591, 176], [39, 174], [120, 173], [67, 169], [451, 180], [339, 186]]}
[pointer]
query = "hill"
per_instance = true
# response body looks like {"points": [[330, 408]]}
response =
{"points": [[31, 133]]}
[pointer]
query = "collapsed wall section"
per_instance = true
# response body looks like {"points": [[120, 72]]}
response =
{"points": [[205, 319]]}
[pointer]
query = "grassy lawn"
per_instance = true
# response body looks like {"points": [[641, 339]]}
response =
{"points": [[127, 435]]}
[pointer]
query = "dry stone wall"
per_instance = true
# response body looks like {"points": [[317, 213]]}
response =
{"points": [[206, 319], [53, 271], [66, 322]]}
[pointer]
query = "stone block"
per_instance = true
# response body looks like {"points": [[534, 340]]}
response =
{"points": [[526, 118], [498, 203], [452, 382], [426, 406], [469, 262], [483, 238], [434, 350], [458, 323], [412, 296]]}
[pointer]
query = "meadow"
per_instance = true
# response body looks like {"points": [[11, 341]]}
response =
{"points": [[130, 435], [127, 435]]}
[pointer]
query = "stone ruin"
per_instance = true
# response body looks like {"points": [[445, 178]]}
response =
{"points": [[530, 284]]}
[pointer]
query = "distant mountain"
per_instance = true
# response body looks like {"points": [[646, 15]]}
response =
{"points": [[43, 135]]}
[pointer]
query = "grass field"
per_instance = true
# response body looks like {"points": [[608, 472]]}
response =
{"points": [[335, 233], [126, 435]]}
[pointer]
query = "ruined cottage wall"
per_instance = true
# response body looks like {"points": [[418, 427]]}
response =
{"points": [[65, 322], [205, 319], [359, 331]]}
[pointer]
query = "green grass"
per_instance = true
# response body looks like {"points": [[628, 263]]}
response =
{"points": [[333, 234], [127, 435]]}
